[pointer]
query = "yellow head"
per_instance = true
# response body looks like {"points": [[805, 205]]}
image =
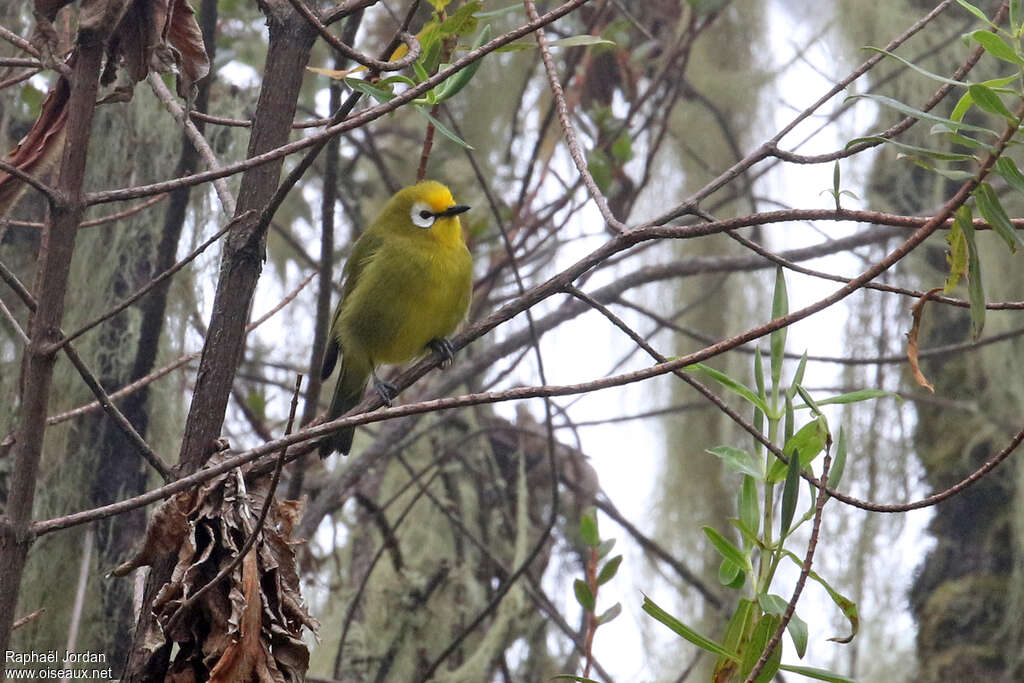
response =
{"points": [[426, 208]]}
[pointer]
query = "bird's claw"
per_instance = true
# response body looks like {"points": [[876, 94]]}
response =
{"points": [[385, 390], [443, 348]]}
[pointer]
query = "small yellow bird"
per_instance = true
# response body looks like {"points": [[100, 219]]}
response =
{"points": [[408, 282]]}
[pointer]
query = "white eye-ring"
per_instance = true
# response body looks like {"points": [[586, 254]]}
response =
{"points": [[421, 215]]}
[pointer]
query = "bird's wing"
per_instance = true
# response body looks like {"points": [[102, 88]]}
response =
{"points": [[362, 252]]}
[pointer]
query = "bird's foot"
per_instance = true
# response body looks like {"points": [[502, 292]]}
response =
{"points": [[385, 390], [443, 348]]}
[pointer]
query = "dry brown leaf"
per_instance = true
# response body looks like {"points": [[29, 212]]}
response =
{"points": [[164, 534], [249, 626], [917, 313], [41, 147], [182, 32]]}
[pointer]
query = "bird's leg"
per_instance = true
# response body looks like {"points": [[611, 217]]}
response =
{"points": [[443, 348], [385, 390]]}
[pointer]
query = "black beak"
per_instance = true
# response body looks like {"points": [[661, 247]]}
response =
{"points": [[453, 211]]}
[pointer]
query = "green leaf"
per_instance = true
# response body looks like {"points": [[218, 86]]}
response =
{"points": [[975, 289], [497, 12], [975, 11], [735, 635], [571, 677], [810, 402], [808, 442], [797, 628], [685, 631], [1010, 173], [780, 308], [609, 614], [583, 594], [608, 570], [922, 115], [605, 547], [600, 168], [963, 105], [988, 100], [852, 397], [462, 21], [772, 604], [622, 148], [798, 376], [759, 374], [366, 88], [725, 547], [956, 257], [790, 495], [847, 606], [766, 626], [817, 674], [577, 41], [730, 383], [835, 473], [749, 511], [456, 82], [571, 41], [914, 149], [588, 529], [994, 213], [997, 47], [738, 460], [915, 67], [729, 572], [442, 129]]}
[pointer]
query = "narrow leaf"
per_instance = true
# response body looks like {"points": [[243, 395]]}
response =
{"points": [[797, 628], [997, 47], [835, 473], [790, 495], [725, 547], [730, 384], [988, 100], [737, 460], [443, 129], [915, 67], [852, 397], [975, 11], [749, 511], [956, 257], [780, 308], [975, 289], [588, 529], [610, 613], [608, 570], [994, 213], [735, 635], [772, 604], [808, 442], [917, 312], [576, 41], [584, 596], [939, 155], [685, 631], [1010, 173], [922, 115], [766, 626], [817, 674]]}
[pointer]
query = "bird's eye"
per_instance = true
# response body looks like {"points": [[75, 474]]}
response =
{"points": [[421, 215]]}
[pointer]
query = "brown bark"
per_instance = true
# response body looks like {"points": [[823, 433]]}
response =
{"points": [[56, 250], [291, 39]]}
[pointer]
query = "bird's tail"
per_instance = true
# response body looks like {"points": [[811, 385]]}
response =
{"points": [[347, 393]]}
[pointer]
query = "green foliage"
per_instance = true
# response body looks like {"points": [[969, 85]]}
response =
{"points": [[764, 540]]}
